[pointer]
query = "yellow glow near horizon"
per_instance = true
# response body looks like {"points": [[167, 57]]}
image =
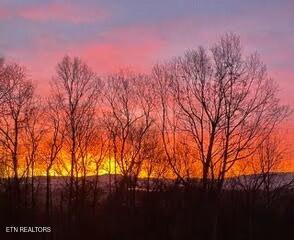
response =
{"points": [[62, 167]]}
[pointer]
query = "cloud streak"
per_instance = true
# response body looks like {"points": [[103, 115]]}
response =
{"points": [[52, 12]]}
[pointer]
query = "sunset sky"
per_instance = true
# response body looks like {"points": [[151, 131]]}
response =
{"points": [[129, 33]]}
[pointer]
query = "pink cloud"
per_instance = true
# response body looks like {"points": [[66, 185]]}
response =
{"points": [[118, 49], [138, 47], [285, 80], [59, 12], [111, 57], [3, 13]]}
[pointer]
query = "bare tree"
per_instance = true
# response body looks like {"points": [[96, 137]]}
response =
{"points": [[53, 143], [34, 133], [76, 90], [225, 103], [99, 157], [154, 166], [262, 172], [176, 143], [6, 70], [128, 117], [15, 108], [259, 179]]}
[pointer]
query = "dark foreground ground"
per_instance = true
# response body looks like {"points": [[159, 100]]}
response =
{"points": [[172, 212]]}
